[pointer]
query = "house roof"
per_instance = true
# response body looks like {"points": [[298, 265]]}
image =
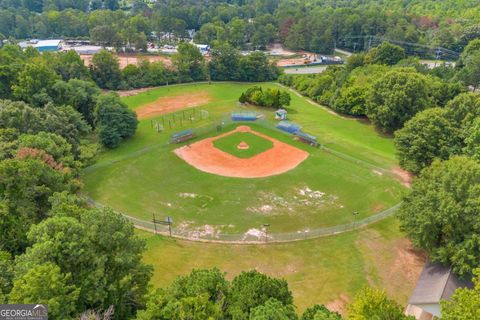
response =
{"points": [[435, 283], [48, 43]]}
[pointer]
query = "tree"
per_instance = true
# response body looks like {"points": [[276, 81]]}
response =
{"points": [[464, 304], [273, 310], [472, 141], [199, 295], [396, 97], [69, 65], [224, 64], [320, 312], [374, 304], [52, 144], [114, 120], [6, 275], [251, 289], [25, 186], [429, 135], [82, 95], [256, 67], [45, 284], [386, 53], [106, 70], [189, 63], [463, 110], [8, 143], [267, 98], [440, 214], [34, 84], [98, 248]]}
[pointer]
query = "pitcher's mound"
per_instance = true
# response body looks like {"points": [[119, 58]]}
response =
{"points": [[279, 159], [243, 146]]}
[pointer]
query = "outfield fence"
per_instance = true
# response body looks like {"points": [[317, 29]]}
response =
{"points": [[260, 236], [253, 236]]}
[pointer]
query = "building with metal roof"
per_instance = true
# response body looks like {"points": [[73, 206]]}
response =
{"points": [[42, 45]]}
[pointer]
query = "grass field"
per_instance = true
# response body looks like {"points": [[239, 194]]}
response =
{"points": [[322, 191], [328, 270], [255, 144], [143, 176]]}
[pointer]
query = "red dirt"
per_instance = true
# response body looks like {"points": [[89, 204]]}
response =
{"points": [[243, 146], [339, 305], [405, 176], [171, 104], [205, 157], [125, 60]]}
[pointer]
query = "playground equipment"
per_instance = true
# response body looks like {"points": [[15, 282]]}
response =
{"points": [[307, 138], [281, 114], [182, 136], [289, 127], [244, 116]]}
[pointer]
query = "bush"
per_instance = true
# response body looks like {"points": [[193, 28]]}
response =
{"points": [[274, 98]]}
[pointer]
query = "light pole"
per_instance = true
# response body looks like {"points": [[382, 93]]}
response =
{"points": [[355, 214], [265, 226]]}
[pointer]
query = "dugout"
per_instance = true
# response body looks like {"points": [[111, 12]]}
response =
{"points": [[307, 138], [244, 116], [182, 136], [289, 127]]}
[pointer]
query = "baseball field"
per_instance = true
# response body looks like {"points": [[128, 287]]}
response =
{"points": [[236, 178]]}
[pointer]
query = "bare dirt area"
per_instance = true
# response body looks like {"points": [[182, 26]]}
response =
{"points": [[340, 304], [133, 92], [405, 176], [173, 103], [396, 264], [125, 60], [204, 156]]}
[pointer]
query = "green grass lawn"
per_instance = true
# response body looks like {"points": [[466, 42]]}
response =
{"points": [[318, 271], [322, 191], [143, 176], [256, 144]]}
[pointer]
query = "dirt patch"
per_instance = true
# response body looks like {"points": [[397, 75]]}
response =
{"points": [[243, 146], [279, 159], [173, 103], [125, 60], [133, 92], [340, 304], [405, 176], [378, 207], [395, 265]]}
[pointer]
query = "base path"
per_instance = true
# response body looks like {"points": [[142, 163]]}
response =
{"points": [[279, 159]]}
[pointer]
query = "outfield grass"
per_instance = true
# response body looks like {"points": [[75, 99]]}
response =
{"points": [[322, 191], [324, 270], [256, 144], [318, 271], [354, 137]]}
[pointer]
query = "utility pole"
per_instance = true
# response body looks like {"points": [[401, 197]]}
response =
{"points": [[265, 226], [355, 214]]}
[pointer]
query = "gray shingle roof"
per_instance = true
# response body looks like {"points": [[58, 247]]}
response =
{"points": [[436, 283]]}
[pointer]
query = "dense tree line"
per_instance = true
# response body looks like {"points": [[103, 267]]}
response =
{"points": [[382, 85], [301, 25]]}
